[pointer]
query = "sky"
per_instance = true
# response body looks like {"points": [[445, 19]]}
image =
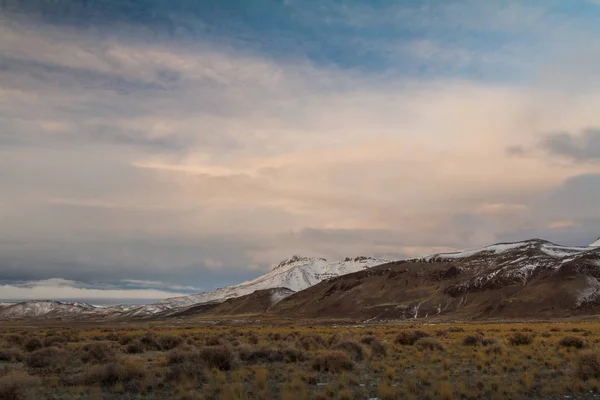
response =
{"points": [[152, 148]]}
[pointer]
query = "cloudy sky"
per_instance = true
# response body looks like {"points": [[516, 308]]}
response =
{"points": [[154, 148]]}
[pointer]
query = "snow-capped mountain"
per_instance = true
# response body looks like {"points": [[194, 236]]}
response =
{"points": [[505, 263], [296, 273], [596, 243], [543, 246], [32, 309], [529, 279], [50, 309]]}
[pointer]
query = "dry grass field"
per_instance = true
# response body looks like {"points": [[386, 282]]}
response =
{"points": [[460, 361]]}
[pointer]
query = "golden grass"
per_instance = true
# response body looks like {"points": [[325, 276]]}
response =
{"points": [[513, 360]]}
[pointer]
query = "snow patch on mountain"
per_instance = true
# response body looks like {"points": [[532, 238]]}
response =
{"points": [[295, 273], [279, 294], [550, 249], [511, 263], [596, 243], [30, 309]]}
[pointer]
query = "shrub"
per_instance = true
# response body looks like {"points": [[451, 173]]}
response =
{"points": [[11, 355], [334, 339], [496, 348], [126, 339], [168, 342], [113, 373], [220, 357], [379, 349], [18, 385], [308, 342], [430, 344], [54, 340], [352, 348], [134, 347], [252, 338], [572, 341], [149, 341], [183, 354], [489, 341], [410, 337], [587, 365], [49, 358], [293, 355], [98, 353], [253, 355], [335, 361], [471, 340], [14, 339], [368, 340], [521, 339], [213, 341], [113, 337], [455, 329], [186, 363], [33, 344]]}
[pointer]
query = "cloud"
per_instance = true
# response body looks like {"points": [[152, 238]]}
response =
{"points": [[61, 289], [198, 162], [158, 284], [581, 147]]}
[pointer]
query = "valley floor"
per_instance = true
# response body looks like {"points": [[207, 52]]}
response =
{"points": [[543, 360]]}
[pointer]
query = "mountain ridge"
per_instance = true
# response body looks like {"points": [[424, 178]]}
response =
{"points": [[295, 273], [530, 278]]}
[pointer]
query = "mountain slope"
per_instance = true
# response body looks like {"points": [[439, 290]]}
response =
{"points": [[596, 243], [296, 273], [256, 303], [534, 278]]}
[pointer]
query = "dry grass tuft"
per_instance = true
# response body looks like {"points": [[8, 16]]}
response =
{"points": [[496, 348], [220, 357], [521, 339], [18, 385], [587, 365], [352, 348], [51, 358], [572, 341], [409, 338], [472, 340], [119, 372], [430, 344], [33, 344], [335, 361], [98, 353], [379, 348], [186, 363]]}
